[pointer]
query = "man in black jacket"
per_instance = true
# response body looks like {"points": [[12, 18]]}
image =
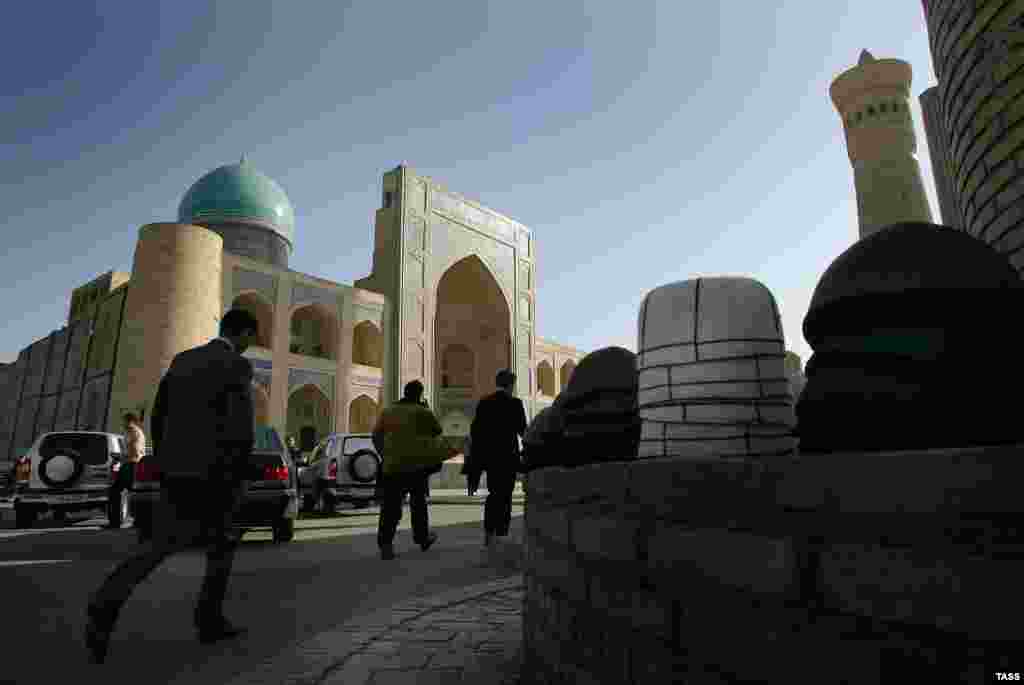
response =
{"points": [[499, 422], [203, 433]]}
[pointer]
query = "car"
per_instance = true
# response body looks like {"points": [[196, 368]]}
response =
{"points": [[343, 467], [271, 497], [68, 471]]}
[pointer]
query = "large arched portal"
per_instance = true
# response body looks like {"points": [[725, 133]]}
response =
{"points": [[309, 416], [472, 336]]}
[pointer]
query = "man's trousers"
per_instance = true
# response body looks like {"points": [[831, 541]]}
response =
{"points": [[498, 506], [191, 513], [393, 489]]}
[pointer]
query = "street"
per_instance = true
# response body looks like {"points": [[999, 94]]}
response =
{"points": [[282, 593]]}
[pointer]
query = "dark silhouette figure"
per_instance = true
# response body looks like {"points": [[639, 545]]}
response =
{"points": [[135, 442], [203, 435], [405, 436], [499, 422]]}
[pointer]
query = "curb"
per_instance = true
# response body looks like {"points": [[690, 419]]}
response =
{"points": [[312, 660]]}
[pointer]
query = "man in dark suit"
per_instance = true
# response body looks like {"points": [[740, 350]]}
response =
{"points": [[203, 430], [499, 422]]}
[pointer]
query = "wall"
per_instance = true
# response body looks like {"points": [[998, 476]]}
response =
{"points": [[839, 568]]}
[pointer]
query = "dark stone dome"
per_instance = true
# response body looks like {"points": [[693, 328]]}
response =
{"points": [[911, 328], [929, 267]]}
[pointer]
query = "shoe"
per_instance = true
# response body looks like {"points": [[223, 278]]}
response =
{"points": [[97, 638], [431, 539], [222, 630], [387, 553]]}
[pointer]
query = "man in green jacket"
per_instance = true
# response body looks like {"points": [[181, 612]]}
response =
{"points": [[406, 437]]}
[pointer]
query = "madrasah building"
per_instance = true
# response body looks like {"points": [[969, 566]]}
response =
{"points": [[451, 300]]}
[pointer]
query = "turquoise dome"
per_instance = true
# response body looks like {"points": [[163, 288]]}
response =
{"points": [[239, 194]]}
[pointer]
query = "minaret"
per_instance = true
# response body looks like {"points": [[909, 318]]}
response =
{"points": [[873, 99]]}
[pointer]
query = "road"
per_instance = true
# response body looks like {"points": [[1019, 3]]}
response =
{"points": [[282, 593]]}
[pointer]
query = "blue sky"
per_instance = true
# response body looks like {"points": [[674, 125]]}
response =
{"points": [[643, 143]]}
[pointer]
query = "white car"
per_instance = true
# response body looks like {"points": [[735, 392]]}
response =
{"points": [[343, 467], [69, 471]]}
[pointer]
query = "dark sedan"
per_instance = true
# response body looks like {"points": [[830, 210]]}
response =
{"points": [[271, 496]]}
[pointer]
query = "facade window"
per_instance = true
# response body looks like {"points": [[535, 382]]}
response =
{"points": [[860, 115], [388, 195], [871, 110], [883, 107]]}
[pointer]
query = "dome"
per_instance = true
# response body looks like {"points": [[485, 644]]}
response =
{"points": [[911, 271], [239, 194]]}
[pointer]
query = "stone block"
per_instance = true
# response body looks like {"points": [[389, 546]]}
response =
{"points": [[605, 537], [976, 480], [973, 596], [740, 560], [558, 569], [552, 524]]}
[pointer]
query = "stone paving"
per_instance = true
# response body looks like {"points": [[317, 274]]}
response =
{"points": [[470, 635]]}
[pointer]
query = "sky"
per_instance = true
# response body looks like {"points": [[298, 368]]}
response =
{"points": [[643, 143]]}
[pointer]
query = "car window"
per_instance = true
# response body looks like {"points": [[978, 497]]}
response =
{"points": [[353, 445], [91, 447], [120, 446]]}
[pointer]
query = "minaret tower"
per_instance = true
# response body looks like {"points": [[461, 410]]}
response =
{"points": [[873, 99]]}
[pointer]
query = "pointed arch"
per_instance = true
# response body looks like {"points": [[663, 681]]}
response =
{"points": [[362, 414], [546, 379], [314, 331], [565, 374], [472, 332], [257, 304], [309, 415], [367, 344]]}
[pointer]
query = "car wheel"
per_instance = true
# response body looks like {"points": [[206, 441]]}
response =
{"points": [[24, 516], [284, 531]]}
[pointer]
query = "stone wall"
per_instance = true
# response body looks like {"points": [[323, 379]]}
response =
{"points": [[841, 568]]}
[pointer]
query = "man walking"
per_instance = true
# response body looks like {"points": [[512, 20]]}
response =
{"points": [[135, 441], [203, 434], [499, 422], [406, 438]]}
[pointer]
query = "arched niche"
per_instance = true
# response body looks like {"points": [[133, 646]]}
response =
{"points": [[565, 373], [546, 379], [367, 345], [362, 414], [257, 305], [314, 332], [309, 415]]}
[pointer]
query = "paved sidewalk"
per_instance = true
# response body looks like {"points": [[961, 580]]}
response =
{"points": [[470, 635]]}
